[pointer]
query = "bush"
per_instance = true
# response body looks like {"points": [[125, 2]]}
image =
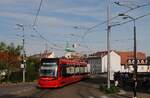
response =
{"points": [[16, 77], [113, 89]]}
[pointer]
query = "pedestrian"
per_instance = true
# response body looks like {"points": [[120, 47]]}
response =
{"points": [[116, 79], [116, 83]]}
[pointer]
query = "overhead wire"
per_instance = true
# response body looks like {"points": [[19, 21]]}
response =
{"points": [[131, 9], [78, 41], [38, 11], [40, 35], [89, 29], [133, 19]]}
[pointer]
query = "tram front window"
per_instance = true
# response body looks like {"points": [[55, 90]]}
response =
{"points": [[48, 69]]}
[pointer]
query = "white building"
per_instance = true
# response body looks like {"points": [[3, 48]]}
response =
{"points": [[98, 62]]}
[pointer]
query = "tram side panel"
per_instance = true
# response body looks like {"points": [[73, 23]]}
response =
{"points": [[59, 72]]}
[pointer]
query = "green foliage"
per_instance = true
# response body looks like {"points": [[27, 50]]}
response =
{"points": [[9, 59], [111, 90], [2, 47], [10, 49], [16, 77], [32, 69]]}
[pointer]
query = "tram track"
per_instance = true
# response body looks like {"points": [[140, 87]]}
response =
{"points": [[41, 93]]}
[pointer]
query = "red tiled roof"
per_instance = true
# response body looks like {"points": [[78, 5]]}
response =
{"points": [[101, 53], [125, 55]]}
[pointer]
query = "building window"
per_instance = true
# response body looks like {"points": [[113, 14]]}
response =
{"points": [[142, 68]]}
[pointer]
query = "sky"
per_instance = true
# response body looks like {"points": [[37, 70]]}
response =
{"points": [[67, 21]]}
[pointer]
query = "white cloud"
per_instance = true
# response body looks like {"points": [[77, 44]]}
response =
{"points": [[43, 20], [16, 1], [94, 12], [56, 26], [61, 7], [8, 1]]}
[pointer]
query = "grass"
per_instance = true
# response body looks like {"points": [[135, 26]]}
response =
{"points": [[112, 90]]}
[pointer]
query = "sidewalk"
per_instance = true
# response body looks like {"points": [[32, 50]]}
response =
{"points": [[14, 84], [95, 81], [16, 88]]}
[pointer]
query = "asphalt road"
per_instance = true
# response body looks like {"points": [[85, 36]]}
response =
{"points": [[83, 89], [76, 90], [16, 89]]}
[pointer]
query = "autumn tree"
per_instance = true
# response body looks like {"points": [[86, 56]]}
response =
{"points": [[9, 58]]}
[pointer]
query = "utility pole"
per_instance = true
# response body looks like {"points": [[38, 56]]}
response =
{"points": [[23, 65], [135, 67], [135, 62], [108, 43]]}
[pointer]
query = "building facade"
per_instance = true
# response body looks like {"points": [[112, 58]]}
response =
{"points": [[95, 64], [98, 62], [127, 61]]}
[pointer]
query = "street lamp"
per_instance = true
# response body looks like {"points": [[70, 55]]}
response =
{"points": [[23, 65], [135, 57]]}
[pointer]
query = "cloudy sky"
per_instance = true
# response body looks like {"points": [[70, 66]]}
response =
{"points": [[62, 21]]}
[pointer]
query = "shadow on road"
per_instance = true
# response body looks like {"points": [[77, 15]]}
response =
{"points": [[143, 87], [13, 96], [96, 80]]}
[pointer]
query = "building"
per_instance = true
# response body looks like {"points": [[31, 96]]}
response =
{"points": [[127, 61], [98, 62], [95, 64], [73, 55], [46, 54]]}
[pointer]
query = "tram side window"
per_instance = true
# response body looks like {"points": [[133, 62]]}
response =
{"points": [[70, 70], [82, 70], [67, 70], [86, 69], [64, 73], [77, 70]]}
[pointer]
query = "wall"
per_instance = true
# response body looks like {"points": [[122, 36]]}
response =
{"points": [[95, 65], [141, 68], [115, 63]]}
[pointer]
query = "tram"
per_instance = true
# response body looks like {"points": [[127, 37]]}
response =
{"points": [[57, 72]]}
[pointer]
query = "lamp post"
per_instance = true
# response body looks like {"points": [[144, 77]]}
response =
{"points": [[135, 57], [23, 65]]}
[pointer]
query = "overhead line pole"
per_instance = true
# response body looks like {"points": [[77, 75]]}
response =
{"points": [[131, 9], [108, 43], [24, 56], [135, 67], [135, 62], [24, 53]]}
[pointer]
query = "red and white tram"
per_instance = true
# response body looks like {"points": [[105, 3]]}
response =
{"points": [[57, 72]]}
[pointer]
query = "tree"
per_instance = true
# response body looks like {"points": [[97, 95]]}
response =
{"points": [[9, 58], [32, 68], [2, 47]]}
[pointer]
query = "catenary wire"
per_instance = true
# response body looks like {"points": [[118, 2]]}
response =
{"points": [[38, 11], [131, 9]]}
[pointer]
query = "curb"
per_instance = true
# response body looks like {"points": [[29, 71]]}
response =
{"points": [[14, 84], [22, 91]]}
